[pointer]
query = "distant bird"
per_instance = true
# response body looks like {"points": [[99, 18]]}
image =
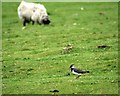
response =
{"points": [[77, 71], [55, 91]]}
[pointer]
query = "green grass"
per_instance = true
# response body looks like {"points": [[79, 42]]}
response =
{"points": [[34, 61]]}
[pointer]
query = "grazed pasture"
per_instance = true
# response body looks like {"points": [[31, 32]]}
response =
{"points": [[34, 61]]}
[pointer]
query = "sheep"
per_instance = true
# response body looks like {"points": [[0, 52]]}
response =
{"points": [[28, 12]]}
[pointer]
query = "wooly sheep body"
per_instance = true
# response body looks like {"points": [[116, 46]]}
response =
{"points": [[28, 12]]}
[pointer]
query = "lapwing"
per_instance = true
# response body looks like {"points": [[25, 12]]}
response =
{"points": [[77, 71]]}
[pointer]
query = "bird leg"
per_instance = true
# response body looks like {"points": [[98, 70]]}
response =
{"points": [[78, 76]]}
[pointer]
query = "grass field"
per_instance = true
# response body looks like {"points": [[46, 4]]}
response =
{"points": [[34, 61]]}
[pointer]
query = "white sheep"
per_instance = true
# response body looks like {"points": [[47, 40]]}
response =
{"points": [[28, 12]]}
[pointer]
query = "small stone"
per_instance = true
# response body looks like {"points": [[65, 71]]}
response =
{"points": [[23, 28], [82, 8], [74, 24]]}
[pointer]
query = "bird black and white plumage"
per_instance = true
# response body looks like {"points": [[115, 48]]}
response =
{"points": [[77, 71]]}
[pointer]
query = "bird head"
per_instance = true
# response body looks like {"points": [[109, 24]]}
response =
{"points": [[71, 66]]}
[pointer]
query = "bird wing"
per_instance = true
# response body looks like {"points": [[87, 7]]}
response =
{"points": [[79, 70]]}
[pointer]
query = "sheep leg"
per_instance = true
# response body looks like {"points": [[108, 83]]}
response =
{"points": [[33, 22], [24, 23]]}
